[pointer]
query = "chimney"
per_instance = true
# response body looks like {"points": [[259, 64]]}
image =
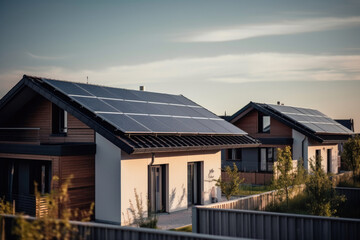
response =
{"points": [[142, 88]]}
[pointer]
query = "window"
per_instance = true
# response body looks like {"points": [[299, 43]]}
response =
{"points": [[59, 120], [267, 159], [234, 154], [264, 123], [318, 159]]}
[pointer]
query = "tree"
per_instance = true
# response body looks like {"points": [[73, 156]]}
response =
{"points": [[230, 186], [351, 156], [322, 197], [285, 177], [55, 224]]}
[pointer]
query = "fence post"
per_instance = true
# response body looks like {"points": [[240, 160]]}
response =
{"points": [[194, 219]]}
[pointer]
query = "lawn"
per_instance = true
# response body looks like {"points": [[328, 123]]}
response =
{"points": [[298, 205], [187, 228], [248, 189]]}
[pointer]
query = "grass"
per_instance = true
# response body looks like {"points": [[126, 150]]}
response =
{"points": [[297, 205], [248, 189], [187, 228], [349, 183]]}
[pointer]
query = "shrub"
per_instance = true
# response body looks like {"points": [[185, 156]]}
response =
{"points": [[231, 185]]}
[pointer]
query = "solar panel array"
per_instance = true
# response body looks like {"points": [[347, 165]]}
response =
{"points": [[133, 111], [312, 119]]}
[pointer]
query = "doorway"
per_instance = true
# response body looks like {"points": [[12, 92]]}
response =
{"points": [[194, 183], [329, 157], [158, 188]]}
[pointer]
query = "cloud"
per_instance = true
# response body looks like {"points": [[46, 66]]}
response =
{"points": [[256, 67], [45, 57], [270, 29]]}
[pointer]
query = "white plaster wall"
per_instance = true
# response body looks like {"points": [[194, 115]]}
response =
{"points": [[107, 181], [298, 138], [297, 147], [134, 170], [324, 148]]}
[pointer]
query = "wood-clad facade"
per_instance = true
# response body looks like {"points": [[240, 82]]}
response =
{"points": [[249, 123], [29, 132]]}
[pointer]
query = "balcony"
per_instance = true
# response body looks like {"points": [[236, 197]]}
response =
{"points": [[20, 135]]}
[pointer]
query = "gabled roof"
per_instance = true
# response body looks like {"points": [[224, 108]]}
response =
{"points": [[123, 116], [310, 122]]}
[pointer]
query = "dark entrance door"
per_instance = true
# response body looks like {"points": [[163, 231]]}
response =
{"points": [[157, 188], [194, 183], [329, 157]]}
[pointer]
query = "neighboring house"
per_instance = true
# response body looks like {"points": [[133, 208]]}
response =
{"points": [[348, 123], [308, 132], [112, 141]]}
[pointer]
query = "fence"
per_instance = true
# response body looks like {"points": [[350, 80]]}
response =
{"points": [[235, 218], [92, 231], [258, 201], [268, 225]]}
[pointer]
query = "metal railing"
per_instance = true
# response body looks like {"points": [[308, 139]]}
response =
{"points": [[23, 135], [92, 231]]}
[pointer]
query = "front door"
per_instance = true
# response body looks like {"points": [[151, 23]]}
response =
{"points": [[329, 157], [157, 188], [194, 183]]}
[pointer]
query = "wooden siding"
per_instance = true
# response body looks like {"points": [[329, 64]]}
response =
{"points": [[82, 187], [37, 114], [249, 123]]}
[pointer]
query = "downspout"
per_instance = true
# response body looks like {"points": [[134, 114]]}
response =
{"points": [[303, 150], [149, 179]]}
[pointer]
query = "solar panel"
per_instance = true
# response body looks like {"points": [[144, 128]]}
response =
{"points": [[94, 104], [145, 112], [312, 119], [68, 88], [124, 123]]}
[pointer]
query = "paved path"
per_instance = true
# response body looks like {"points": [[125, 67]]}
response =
{"points": [[174, 219], [179, 218]]}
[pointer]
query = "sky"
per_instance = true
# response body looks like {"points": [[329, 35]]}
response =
{"points": [[222, 54]]}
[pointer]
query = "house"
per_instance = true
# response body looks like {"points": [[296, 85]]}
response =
{"points": [[348, 123], [113, 142], [308, 132]]}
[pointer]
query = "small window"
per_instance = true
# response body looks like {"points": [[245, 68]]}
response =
{"points": [[318, 158], [264, 123], [59, 120], [234, 154]]}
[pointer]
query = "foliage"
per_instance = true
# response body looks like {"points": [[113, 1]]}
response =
{"points": [[139, 214], [231, 185], [347, 183], [301, 173], [55, 224], [285, 176], [5, 207], [297, 205], [351, 156], [322, 198]]}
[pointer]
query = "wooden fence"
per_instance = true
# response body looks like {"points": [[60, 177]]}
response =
{"points": [[236, 218], [92, 231]]}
